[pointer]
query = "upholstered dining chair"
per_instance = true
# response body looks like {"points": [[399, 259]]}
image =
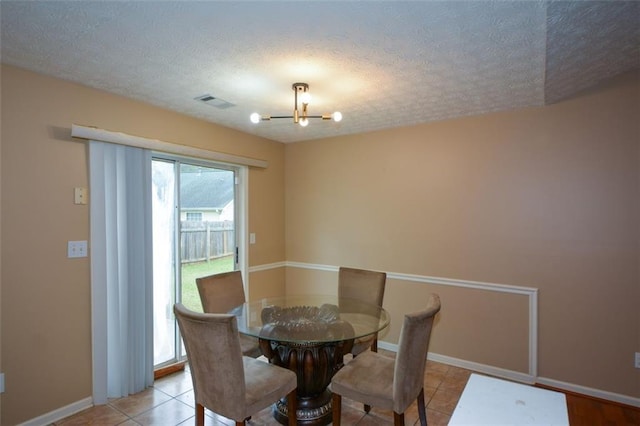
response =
{"points": [[381, 381], [367, 286], [225, 381], [219, 293]]}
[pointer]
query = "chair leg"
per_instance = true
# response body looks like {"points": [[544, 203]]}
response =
{"points": [[422, 412], [292, 407], [374, 348], [398, 419], [336, 403], [242, 423], [199, 414]]}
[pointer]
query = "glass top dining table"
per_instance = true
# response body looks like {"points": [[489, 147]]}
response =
{"points": [[310, 319], [309, 334]]}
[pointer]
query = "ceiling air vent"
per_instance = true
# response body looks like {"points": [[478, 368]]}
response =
{"points": [[215, 102]]}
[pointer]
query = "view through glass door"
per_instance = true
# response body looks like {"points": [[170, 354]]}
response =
{"points": [[194, 235]]}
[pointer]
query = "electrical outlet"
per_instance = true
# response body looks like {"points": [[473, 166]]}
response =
{"points": [[637, 359]]}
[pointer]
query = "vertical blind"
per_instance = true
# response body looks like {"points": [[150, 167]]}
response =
{"points": [[121, 270]]}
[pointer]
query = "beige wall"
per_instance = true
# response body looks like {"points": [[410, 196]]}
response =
{"points": [[546, 198], [543, 197], [45, 327]]}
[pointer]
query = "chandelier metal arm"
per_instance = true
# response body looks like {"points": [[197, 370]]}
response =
{"points": [[269, 117]]}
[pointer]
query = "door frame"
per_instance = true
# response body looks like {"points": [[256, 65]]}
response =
{"points": [[241, 219]]}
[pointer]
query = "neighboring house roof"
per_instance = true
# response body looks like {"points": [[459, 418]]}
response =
{"points": [[206, 189]]}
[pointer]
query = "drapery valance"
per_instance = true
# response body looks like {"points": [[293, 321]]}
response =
{"points": [[96, 134]]}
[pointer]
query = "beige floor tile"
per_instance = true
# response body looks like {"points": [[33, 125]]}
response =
{"points": [[174, 385], [374, 420], [435, 418], [100, 414], [433, 379], [140, 402], [171, 412], [188, 398], [437, 366], [208, 421], [444, 401], [410, 415], [129, 423], [458, 372], [428, 393], [351, 415], [454, 384]]}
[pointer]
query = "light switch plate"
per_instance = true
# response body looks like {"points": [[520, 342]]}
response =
{"points": [[77, 249], [80, 195]]}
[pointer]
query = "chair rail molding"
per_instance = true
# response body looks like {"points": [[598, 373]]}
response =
{"points": [[530, 292]]}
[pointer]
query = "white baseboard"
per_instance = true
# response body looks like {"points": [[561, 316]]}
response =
{"points": [[60, 413], [517, 376], [596, 393]]}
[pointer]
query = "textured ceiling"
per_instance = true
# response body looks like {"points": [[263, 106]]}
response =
{"points": [[382, 64]]}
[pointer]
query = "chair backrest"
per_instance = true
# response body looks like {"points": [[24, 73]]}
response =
{"points": [[215, 360], [219, 293], [411, 358], [362, 284]]}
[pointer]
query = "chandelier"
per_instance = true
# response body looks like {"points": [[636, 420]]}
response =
{"points": [[300, 116]]}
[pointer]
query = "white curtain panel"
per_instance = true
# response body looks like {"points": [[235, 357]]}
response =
{"points": [[121, 270]]}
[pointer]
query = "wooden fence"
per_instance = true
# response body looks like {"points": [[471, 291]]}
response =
{"points": [[204, 241]]}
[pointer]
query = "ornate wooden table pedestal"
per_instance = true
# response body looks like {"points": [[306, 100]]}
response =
{"points": [[314, 362]]}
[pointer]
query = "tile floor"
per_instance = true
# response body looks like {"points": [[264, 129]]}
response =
{"points": [[170, 402]]}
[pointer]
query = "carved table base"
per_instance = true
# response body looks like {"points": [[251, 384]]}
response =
{"points": [[314, 364]]}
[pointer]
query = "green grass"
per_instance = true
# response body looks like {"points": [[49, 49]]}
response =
{"points": [[191, 271]]}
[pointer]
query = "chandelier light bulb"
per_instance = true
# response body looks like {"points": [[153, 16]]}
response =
{"points": [[304, 122], [255, 118], [337, 116], [305, 98]]}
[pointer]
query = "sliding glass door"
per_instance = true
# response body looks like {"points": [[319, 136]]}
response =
{"points": [[195, 233]]}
